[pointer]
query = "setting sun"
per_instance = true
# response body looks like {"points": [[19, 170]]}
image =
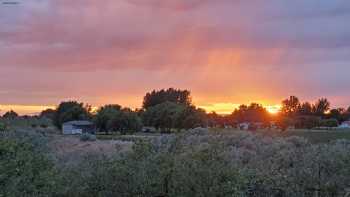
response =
{"points": [[274, 109]]}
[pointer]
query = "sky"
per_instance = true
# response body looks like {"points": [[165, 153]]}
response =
{"points": [[227, 52]]}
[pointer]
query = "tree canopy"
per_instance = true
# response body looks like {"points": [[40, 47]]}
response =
{"points": [[10, 115], [115, 118], [71, 110], [171, 95]]}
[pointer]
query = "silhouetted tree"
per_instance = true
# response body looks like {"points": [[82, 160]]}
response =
{"points": [[70, 110], [10, 115], [305, 109], [171, 95], [215, 120], [338, 114], [252, 113], [48, 113], [290, 106], [321, 106]]}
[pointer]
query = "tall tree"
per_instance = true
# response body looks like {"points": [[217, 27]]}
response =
{"points": [[305, 109], [190, 117], [70, 110], [104, 115], [321, 107], [290, 106], [125, 121], [163, 116], [171, 95]]}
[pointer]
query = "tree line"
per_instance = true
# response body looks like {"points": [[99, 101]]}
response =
{"points": [[170, 110]]}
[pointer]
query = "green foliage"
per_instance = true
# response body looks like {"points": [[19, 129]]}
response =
{"points": [[170, 95], [24, 169], [163, 116], [168, 115], [197, 163], [104, 115], [115, 118], [70, 110], [3, 126], [190, 117]]}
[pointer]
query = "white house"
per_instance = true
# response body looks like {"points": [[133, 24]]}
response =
{"points": [[78, 127]]}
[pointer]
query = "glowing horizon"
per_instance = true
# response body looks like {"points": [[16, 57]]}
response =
{"points": [[116, 51], [219, 108]]}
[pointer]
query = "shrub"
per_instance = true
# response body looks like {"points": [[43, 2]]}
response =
{"points": [[329, 123], [2, 126], [87, 137], [24, 169]]}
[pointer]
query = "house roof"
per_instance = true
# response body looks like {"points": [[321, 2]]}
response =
{"points": [[79, 123]]}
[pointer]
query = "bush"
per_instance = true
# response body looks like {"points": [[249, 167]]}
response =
{"points": [[194, 163], [24, 169], [329, 123], [87, 137], [2, 126]]}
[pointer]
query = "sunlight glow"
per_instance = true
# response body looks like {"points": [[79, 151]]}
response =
{"points": [[274, 109], [228, 108], [24, 109]]}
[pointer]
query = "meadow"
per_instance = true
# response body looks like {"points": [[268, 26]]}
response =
{"points": [[197, 162]]}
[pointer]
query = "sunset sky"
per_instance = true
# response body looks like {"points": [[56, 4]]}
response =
{"points": [[227, 52]]}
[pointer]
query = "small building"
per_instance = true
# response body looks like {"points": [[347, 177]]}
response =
{"points": [[78, 127], [345, 125], [244, 125]]}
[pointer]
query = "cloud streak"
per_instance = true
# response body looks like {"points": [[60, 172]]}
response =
{"points": [[235, 49]]}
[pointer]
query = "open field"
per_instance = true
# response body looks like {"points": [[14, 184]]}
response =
{"points": [[313, 136], [71, 149]]}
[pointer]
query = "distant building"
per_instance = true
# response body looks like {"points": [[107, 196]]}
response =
{"points": [[345, 124], [78, 127], [244, 125]]}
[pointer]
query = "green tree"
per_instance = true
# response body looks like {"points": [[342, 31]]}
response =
{"points": [[24, 171], [190, 117], [71, 110], [104, 115], [125, 121], [163, 116], [171, 95], [115, 118]]}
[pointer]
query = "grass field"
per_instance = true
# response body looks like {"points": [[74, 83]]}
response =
{"points": [[319, 136], [313, 136]]}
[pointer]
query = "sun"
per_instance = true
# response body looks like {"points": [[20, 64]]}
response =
{"points": [[273, 109]]}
